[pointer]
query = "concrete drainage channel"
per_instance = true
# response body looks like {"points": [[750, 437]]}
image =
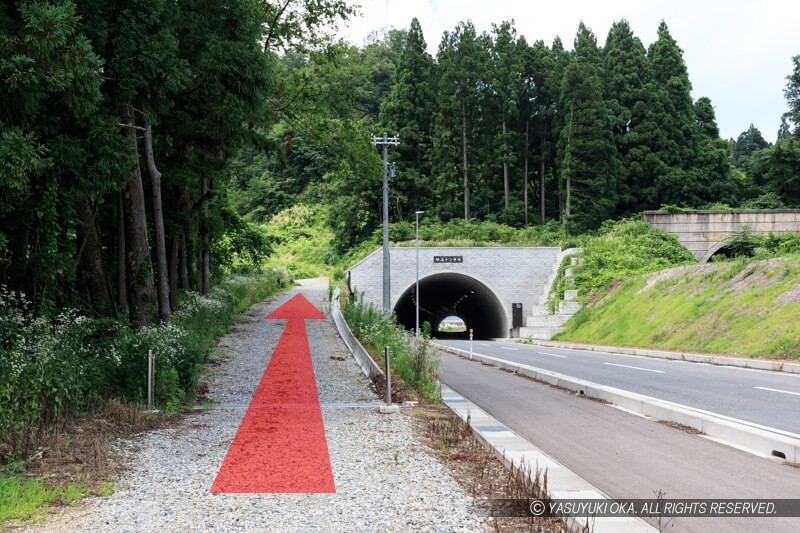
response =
{"points": [[747, 436]]}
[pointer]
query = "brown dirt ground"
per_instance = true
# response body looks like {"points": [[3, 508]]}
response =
{"points": [[480, 473]]}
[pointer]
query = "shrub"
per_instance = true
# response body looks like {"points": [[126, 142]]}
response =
{"points": [[411, 358], [623, 249], [52, 369]]}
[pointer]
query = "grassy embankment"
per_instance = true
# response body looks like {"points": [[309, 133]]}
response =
{"points": [[745, 307]]}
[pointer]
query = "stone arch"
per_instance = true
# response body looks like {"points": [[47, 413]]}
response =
{"points": [[714, 248]]}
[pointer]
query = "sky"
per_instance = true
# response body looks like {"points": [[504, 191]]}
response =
{"points": [[738, 52]]}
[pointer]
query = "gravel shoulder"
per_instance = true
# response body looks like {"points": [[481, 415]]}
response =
{"points": [[386, 480]]}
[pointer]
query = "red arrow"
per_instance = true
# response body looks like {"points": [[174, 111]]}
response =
{"points": [[280, 445]]}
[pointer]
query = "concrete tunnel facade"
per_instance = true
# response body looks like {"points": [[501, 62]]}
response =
{"points": [[479, 284]]}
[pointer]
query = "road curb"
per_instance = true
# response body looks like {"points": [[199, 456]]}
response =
{"points": [[359, 353], [750, 437], [562, 483], [722, 360]]}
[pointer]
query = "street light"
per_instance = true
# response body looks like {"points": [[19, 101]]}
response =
{"points": [[418, 213]]}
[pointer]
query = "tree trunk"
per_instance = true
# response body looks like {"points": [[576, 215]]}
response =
{"points": [[525, 178], [122, 289], [466, 176], [173, 272], [568, 171], [184, 259], [541, 174], [90, 260], [141, 291], [158, 227], [541, 184], [505, 167], [205, 270]]}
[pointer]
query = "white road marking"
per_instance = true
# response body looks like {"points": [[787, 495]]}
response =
{"points": [[553, 355], [778, 390], [508, 348], [636, 368]]}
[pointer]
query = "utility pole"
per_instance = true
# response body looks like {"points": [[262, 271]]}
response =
{"points": [[386, 141]]}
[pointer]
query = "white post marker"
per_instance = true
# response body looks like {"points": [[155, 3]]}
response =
{"points": [[388, 408], [150, 380], [470, 344], [388, 377], [416, 295]]}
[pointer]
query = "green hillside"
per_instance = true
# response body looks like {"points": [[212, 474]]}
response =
{"points": [[741, 307]]}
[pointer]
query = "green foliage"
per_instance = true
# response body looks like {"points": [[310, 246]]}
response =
{"points": [[25, 499], [411, 358], [768, 200], [303, 243], [744, 244], [243, 246], [748, 142], [408, 110], [300, 24], [22, 156], [589, 171], [792, 93], [50, 370], [623, 249], [633, 99], [433, 231], [463, 58]]}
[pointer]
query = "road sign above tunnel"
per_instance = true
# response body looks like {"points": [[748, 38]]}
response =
{"points": [[448, 258]]}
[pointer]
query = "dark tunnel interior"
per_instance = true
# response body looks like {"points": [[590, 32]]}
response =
{"points": [[451, 294]]}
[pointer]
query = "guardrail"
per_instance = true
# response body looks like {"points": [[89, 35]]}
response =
{"points": [[359, 353]]}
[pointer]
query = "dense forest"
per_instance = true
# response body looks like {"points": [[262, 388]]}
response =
{"points": [[145, 140], [143, 143], [497, 128]]}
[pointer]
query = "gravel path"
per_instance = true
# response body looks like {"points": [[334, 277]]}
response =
{"points": [[385, 479]]}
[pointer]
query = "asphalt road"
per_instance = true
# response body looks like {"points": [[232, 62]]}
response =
{"points": [[770, 399], [623, 455]]}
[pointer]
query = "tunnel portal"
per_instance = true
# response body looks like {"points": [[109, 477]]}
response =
{"points": [[454, 294]]}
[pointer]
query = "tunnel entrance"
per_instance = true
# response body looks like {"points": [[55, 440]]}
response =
{"points": [[451, 294]]}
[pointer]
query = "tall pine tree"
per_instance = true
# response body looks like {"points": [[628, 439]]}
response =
{"points": [[588, 165], [408, 111], [638, 107], [678, 124], [462, 59]]}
